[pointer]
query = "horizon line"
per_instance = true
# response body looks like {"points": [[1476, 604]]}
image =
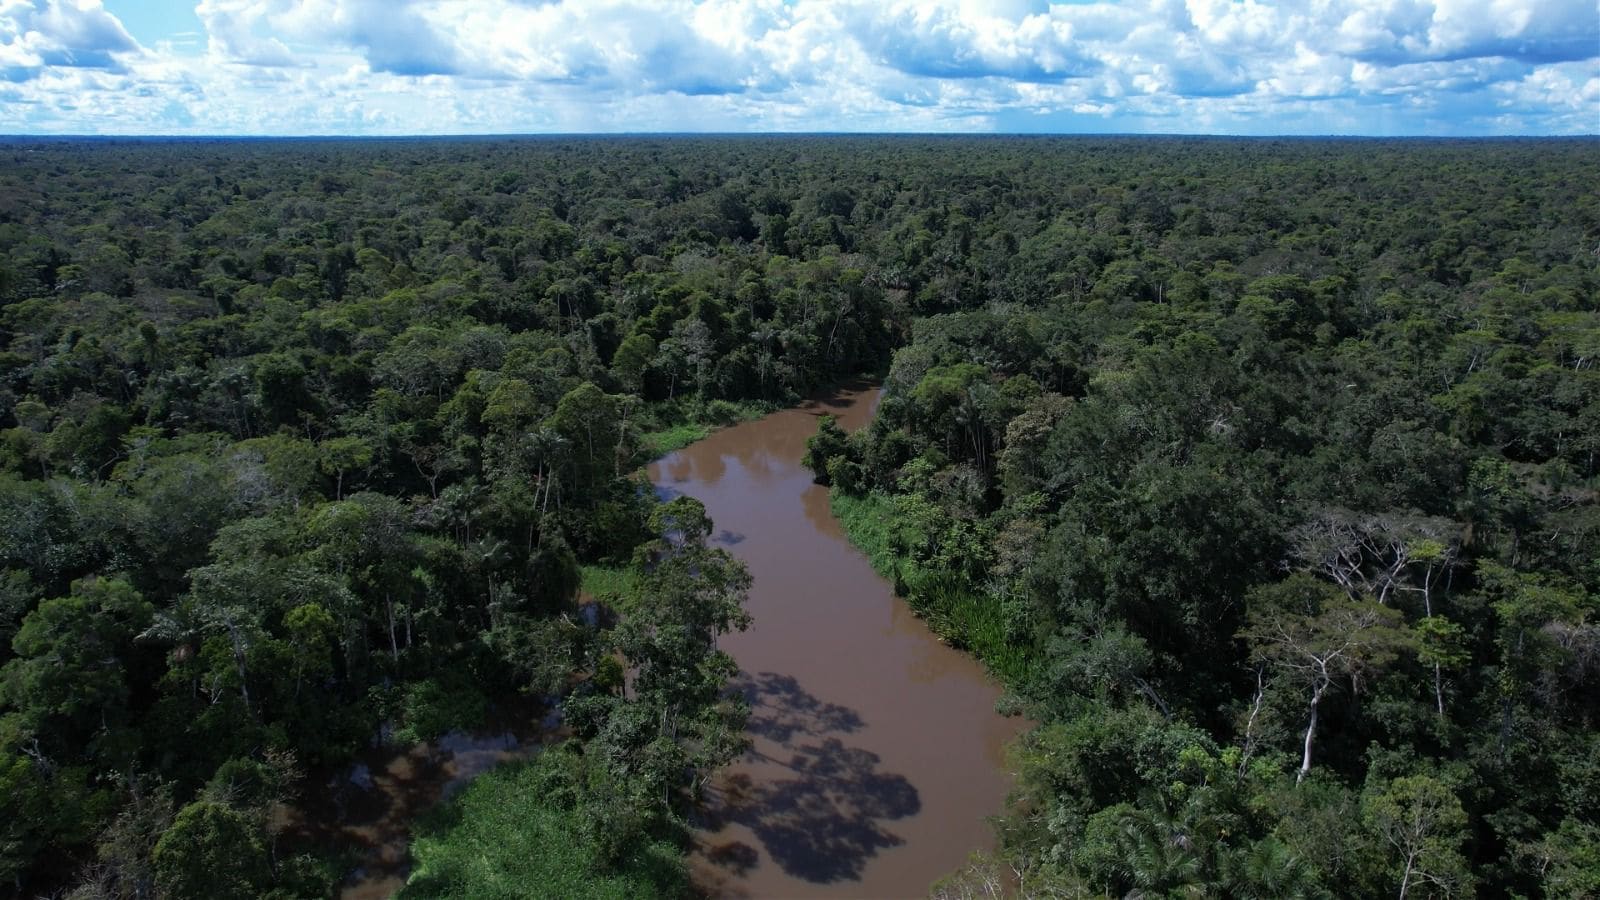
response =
{"points": [[777, 134]]}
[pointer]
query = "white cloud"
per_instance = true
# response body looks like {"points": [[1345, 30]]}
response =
{"points": [[1530, 30], [964, 41], [235, 30], [68, 34], [426, 66]]}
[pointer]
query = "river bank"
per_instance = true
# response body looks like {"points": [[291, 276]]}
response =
{"points": [[877, 754]]}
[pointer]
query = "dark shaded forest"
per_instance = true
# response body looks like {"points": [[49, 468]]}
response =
{"points": [[1262, 472]]}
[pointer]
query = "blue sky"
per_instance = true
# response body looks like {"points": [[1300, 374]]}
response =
{"points": [[274, 67]]}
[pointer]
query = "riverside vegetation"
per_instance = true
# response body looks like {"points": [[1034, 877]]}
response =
{"points": [[1263, 473]]}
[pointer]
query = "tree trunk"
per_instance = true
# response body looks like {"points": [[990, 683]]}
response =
{"points": [[1505, 728], [1150, 693], [1250, 724], [388, 606], [236, 639], [1311, 733]]}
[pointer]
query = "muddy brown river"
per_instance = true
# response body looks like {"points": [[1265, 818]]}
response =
{"points": [[877, 754]]}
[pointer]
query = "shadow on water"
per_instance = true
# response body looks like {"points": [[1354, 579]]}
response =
{"points": [[780, 709], [825, 812], [840, 397]]}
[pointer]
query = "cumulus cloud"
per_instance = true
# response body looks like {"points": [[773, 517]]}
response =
{"points": [[1537, 31], [957, 42], [60, 33], [299, 66], [398, 36], [641, 48], [236, 29]]}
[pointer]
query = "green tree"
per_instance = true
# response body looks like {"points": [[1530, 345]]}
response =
{"points": [[344, 454], [1441, 644], [829, 441], [123, 848], [1422, 826], [597, 428], [632, 360], [1267, 869], [47, 805], [211, 850], [1320, 640], [68, 687], [690, 594]]}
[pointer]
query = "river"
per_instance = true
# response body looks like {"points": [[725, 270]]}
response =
{"points": [[877, 754]]}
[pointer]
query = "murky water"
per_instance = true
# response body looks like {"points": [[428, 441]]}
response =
{"points": [[368, 809], [876, 755], [877, 752]]}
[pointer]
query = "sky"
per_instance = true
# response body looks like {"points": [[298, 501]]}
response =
{"points": [[393, 67]]}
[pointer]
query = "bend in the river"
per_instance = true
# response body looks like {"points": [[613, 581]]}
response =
{"points": [[877, 754]]}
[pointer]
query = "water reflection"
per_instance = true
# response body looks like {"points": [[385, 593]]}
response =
{"points": [[818, 507]]}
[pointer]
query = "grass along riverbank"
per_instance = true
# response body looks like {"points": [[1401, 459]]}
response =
{"points": [[514, 829], [963, 617], [675, 425]]}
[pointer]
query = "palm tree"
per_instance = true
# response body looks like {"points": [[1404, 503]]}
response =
{"points": [[1168, 847], [1269, 870]]}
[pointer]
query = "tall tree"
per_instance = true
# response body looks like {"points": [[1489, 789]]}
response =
{"points": [[1319, 641]]}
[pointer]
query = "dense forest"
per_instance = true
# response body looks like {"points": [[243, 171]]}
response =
{"points": [[1262, 472]]}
